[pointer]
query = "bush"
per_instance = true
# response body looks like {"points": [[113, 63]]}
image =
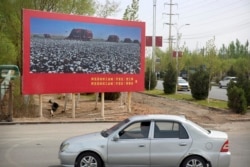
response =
{"points": [[23, 106], [170, 80], [111, 95], [199, 84], [231, 72], [244, 83], [150, 80], [236, 99]]}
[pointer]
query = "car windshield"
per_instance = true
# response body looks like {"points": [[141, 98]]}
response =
{"points": [[182, 81], [106, 133]]}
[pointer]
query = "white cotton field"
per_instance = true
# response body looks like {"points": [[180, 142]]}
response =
{"points": [[49, 55]]}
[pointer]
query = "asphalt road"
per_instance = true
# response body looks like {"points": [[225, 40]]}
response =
{"points": [[215, 92], [37, 145]]}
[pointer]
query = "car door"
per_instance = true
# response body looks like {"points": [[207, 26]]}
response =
{"points": [[130, 147], [169, 144]]}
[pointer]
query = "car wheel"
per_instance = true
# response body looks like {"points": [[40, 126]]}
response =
{"points": [[88, 159], [220, 86], [194, 161]]}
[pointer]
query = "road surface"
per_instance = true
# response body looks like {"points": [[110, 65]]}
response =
{"points": [[215, 92], [37, 145]]}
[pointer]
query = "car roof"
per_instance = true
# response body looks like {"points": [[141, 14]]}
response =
{"points": [[180, 118]]}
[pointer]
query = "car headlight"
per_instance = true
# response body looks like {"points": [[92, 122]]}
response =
{"points": [[64, 146]]}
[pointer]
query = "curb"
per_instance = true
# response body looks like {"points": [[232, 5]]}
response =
{"points": [[53, 122]]}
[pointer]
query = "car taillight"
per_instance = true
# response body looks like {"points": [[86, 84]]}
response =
{"points": [[225, 147]]}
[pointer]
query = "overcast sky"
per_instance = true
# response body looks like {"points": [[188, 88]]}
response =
{"points": [[226, 20]]}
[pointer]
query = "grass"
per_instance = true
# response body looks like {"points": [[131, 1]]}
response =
{"points": [[220, 104]]}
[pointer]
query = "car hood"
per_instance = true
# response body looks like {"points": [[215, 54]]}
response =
{"points": [[86, 137], [218, 134]]}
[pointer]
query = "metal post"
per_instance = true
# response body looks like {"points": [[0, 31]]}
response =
{"points": [[153, 38], [102, 105], [10, 107], [170, 27], [177, 54], [73, 105], [129, 102], [40, 106]]}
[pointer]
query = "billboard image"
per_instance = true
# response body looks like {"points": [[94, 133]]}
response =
{"points": [[71, 53]]}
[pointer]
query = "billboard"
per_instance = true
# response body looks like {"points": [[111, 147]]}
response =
{"points": [[158, 41], [70, 54]]}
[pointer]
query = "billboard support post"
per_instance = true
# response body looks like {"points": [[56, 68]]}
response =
{"points": [[129, 102], [73, 105], [102, 108], [40, 105], [96, 99]]}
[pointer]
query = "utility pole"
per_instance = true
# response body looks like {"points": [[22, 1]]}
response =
{"points": [[153, 38], [152, 71], [170, 39]]}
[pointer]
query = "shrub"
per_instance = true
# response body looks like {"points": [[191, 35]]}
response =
{"points": [[111, 95], [170, 80], [236, 99], [150, 80], [23, 106], [231, 72], [199, 84], [244, 83]]}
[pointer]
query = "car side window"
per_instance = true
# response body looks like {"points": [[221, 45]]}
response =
{"points": [[135, 130], [169, 129]]}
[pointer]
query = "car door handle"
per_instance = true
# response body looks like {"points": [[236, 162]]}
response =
{"points": [[182, 144], [141, 145]]}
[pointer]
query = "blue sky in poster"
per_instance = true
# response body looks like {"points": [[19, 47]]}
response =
{"points": [[60, 27]]}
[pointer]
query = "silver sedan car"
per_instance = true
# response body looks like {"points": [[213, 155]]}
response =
{"points": [[148, 141]]}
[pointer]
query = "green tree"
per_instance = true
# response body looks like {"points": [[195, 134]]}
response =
{"points": [[231, 72], [236, 99], [11, 17], [108, 9], [131, 12], [211, 62], [7, 51], [150, 79], [170, 79], [164, 60], [199, 84], [244, 83]]}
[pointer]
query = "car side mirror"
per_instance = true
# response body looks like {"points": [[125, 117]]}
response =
{"points": [[116, 137]]}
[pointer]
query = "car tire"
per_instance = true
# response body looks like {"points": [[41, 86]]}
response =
{"points": [[194, 161], [88, 159]]}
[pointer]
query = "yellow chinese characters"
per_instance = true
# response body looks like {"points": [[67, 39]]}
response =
{"points": [[113, 81]]}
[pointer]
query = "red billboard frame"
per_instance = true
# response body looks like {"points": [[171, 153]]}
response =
{"points": [[37, 81]]}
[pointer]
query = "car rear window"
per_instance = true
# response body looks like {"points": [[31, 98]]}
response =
{"points": [[169, 129]]}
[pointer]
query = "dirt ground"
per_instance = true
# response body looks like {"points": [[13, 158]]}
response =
{"points": [[89, 110]]}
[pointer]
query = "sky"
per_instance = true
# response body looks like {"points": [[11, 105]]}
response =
{"points": [[62, 27], [226, 20]]}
